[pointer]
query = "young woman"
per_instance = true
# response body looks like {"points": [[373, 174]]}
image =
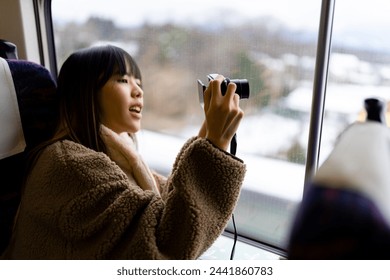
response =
{"points": [[89, 195]]}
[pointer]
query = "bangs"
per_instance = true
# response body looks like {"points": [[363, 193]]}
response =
{"points": [[118, 62], [125, 64]]}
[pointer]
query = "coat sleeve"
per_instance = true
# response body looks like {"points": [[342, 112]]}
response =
{"points": [[201, 194], [102, 215]]}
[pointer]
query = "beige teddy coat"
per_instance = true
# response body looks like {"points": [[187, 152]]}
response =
{"points": [[79, 204]]}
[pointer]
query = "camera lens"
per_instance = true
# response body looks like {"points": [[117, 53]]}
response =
{"points": [[242, 87]]}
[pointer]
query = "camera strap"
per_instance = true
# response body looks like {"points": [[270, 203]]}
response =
{"points": [[233, 149], [233, 145]]}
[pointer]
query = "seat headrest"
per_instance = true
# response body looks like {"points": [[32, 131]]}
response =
{"points": [[31, 90], [37, 99], [360, 162], [11, 137]]}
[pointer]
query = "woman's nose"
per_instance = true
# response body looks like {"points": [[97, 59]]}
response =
{"points": [[137, 91]]}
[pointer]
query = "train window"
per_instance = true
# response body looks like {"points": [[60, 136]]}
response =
{"points": [[359, 65], [270, 43]]}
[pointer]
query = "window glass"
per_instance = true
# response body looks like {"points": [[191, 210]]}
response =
{"points": [[272, 44], [359, 65]]}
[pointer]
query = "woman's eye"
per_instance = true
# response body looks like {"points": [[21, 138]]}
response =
{"points": [[123, 81]]}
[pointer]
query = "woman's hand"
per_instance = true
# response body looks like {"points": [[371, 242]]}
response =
{"points": [[223, 113]]}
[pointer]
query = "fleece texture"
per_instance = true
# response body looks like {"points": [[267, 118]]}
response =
{"points": [[79, 204], [122, 149]]}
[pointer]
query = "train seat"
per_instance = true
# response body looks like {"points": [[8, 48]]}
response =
{"points": [[345, 213], [28, 113]]}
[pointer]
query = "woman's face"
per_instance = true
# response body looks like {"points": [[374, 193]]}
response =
{"points": [[121, 102]]}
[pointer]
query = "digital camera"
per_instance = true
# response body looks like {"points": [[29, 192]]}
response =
{"points": [[242, 87]]}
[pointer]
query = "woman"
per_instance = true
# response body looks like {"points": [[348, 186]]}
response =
{"points": [[89, 195]]}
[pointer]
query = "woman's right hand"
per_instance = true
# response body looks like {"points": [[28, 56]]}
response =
{"points": [[222, 112]]}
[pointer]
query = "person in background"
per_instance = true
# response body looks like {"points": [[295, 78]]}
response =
{"points": [[89, 194]]}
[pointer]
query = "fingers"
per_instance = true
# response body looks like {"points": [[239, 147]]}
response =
{"points": [[231, 101], [223, 113], [213, 92], [233, 124]]}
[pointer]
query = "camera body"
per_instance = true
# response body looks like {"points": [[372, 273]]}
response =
{"points": [[242, 87]]}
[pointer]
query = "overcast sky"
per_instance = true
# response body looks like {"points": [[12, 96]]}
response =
{"points": [[124, 12], [355, 20], [296, 13]]}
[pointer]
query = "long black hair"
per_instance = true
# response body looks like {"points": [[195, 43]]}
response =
{"points": [[81, 78]]}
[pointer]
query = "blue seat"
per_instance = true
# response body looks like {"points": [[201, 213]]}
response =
{"points": [[37, 101]]}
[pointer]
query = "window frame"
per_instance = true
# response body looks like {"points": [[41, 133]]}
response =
{"points": [[45, 34], [324, 45]]}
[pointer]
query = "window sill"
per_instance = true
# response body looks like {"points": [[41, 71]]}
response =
{"points": [[221, 250]]}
